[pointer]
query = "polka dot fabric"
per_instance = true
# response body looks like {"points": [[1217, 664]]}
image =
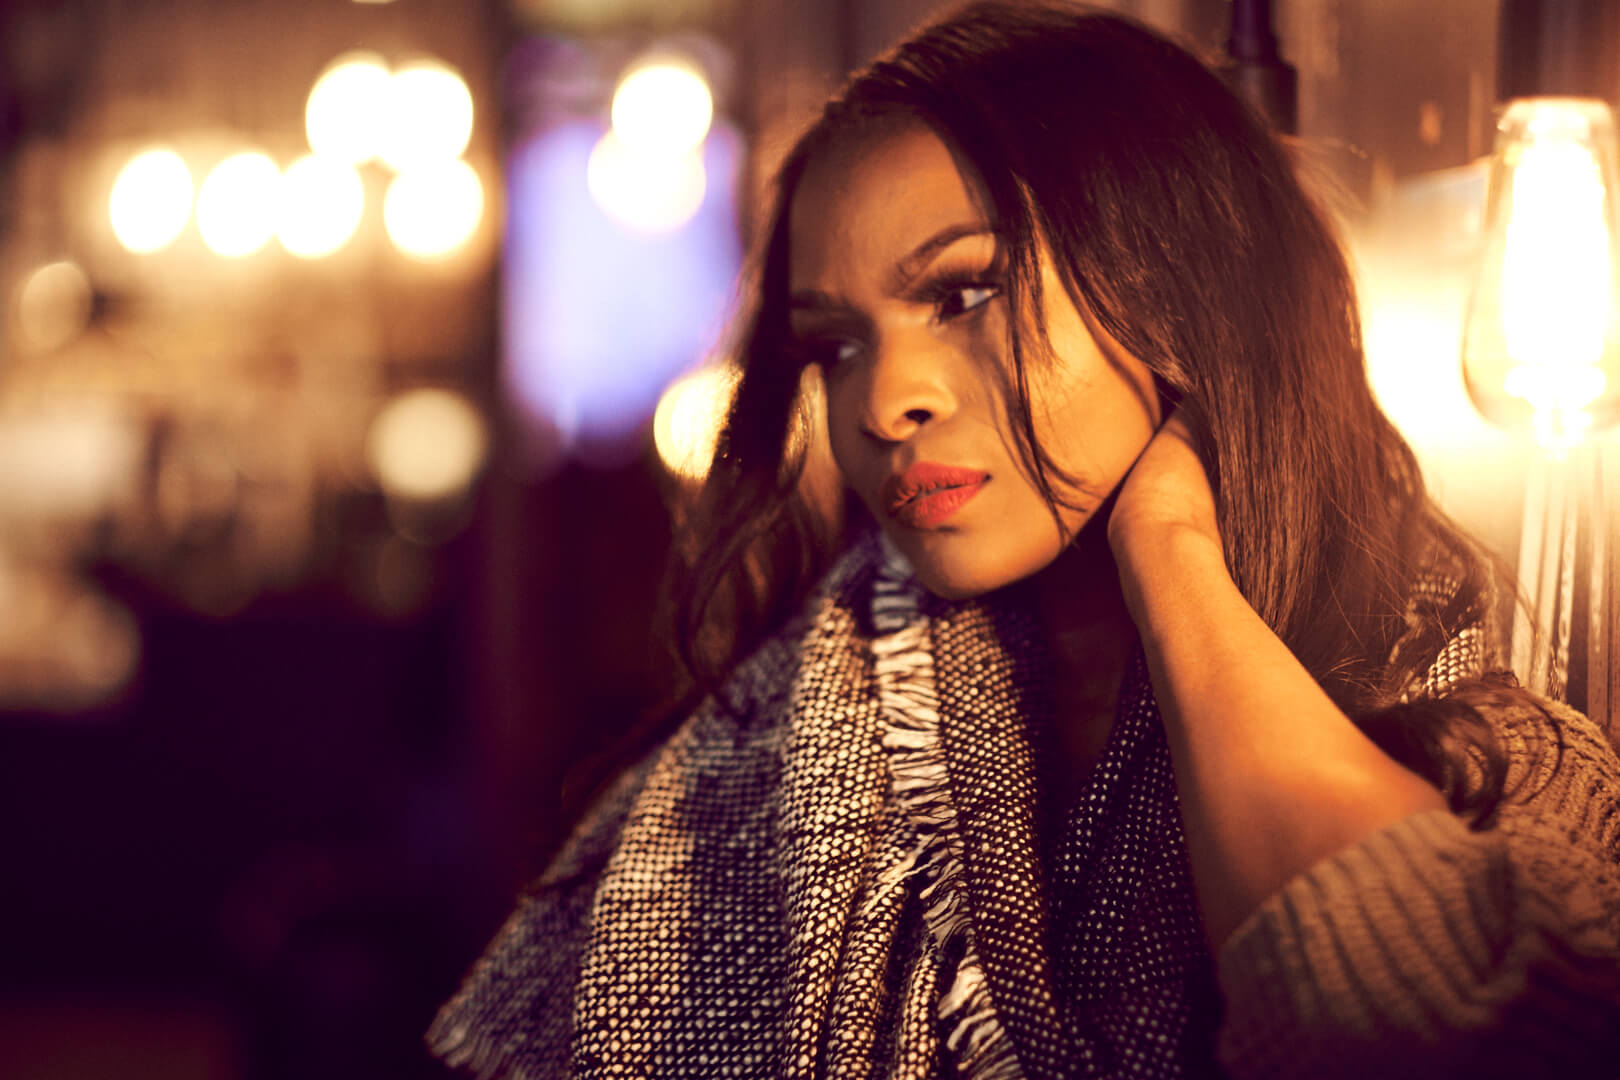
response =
{"points": [[1136, 978]]}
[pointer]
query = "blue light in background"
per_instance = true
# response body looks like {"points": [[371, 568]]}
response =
{"points": [[598, 319]]}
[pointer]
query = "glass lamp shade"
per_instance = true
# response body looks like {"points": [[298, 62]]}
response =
{"points": [[1541, 342]]}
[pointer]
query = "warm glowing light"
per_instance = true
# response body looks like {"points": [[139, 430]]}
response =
{"points": [[663, 105], [347, 108], [1542, 321], [151, 200], [98, 648], [1556, 271], [1560, 386], [432, 210], [429, 118], [238, 204], [321, 204], [67, 460], [426, 444], [687, 424], [63, 646], [53, 305], [649, 191], [1558, 396]]}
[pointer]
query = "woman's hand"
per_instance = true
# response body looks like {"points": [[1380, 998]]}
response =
{"points": [[1165, 503]]}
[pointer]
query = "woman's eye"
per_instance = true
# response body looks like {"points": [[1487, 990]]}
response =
{"points": [[961, 299], [828, 353]]}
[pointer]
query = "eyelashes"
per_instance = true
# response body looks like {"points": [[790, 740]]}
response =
{"points": [[829, 353], [954, 298]]}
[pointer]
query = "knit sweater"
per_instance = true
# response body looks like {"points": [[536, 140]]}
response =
{"points": [[1491, 953], [835, 871]]}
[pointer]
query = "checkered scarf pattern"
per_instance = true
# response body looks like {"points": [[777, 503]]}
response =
{"points": [[847, 869]]}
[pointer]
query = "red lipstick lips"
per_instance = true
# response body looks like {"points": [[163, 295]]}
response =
{"points": [[925, 495]]}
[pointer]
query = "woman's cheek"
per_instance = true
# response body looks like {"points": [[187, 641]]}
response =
{"points": [[843, 435]]}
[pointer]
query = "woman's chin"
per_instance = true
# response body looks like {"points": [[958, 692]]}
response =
{"points": [[961, 571], [951, 590]]}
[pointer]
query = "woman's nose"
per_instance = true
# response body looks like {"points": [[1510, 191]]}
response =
{"points": [[908, 388]]}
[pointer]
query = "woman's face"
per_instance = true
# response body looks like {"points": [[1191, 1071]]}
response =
{"points": [[895, 282]]}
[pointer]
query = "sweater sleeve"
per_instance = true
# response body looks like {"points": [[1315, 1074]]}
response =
{"points": [[1432, 950]]}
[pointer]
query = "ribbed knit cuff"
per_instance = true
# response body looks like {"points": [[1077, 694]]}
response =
{"points": [[1365, 961]]}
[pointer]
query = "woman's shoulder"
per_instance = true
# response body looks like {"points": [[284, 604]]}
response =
{"points": [[740, 715], [831, 622]]}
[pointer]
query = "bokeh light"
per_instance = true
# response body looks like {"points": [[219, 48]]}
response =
{"points": [[64, 646], [599, 318], [345, 115], [321, 204], [53, 305], [98, 646], [65, 459], [686, 425], [429, 116], [426, 444], [237, 206], [663, 105], [645, 190], [432, 210], [151, 200]]}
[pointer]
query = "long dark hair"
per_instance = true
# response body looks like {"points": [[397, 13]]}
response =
{"points": [[1176, 221]]}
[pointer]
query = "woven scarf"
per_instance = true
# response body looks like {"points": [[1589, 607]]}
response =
{"points": [[846, 866]]}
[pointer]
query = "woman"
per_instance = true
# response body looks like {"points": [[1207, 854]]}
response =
{"points": [[1128, 720]]}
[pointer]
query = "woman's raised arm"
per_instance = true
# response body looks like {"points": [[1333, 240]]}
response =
{"points": [[1356, 934], [1273, 777]]}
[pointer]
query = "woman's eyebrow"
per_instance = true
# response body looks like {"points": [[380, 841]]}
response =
{"points": [[913, 264], [905, 271], [813, 300]]}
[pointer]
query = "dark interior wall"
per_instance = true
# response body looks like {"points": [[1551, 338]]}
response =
{"points": [[1389, 88]]}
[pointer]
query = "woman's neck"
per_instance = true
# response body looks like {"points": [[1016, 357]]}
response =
{"points": [[1090, 636]]}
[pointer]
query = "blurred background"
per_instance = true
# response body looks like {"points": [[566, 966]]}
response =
{"points": [[332, 497]]}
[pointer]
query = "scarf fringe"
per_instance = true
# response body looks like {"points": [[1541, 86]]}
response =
{"points": [[904, 666], [480, 1050]]}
